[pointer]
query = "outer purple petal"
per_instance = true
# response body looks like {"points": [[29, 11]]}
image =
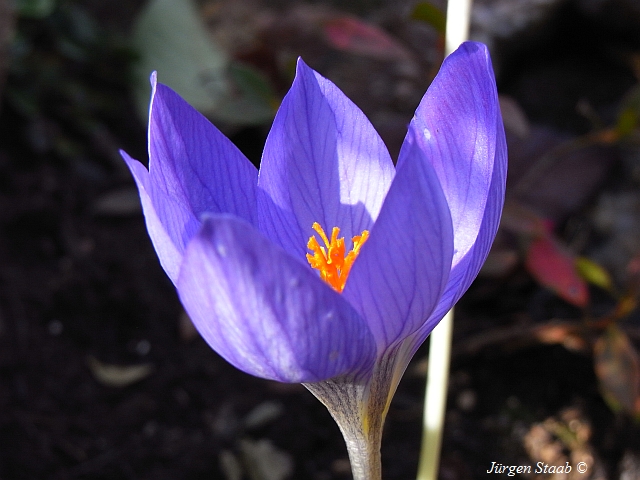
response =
{"points": [[459, 126], [166, 218], [190, 159], [456, 124], [265, 312], [402, 270], [193, 168], [323, 162]]}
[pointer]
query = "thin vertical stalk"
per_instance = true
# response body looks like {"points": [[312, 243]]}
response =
{"points": [[435, 402], [435, 399], [457, 27]]}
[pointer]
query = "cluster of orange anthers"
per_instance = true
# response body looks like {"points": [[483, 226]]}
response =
{"points": [[330, 260]]}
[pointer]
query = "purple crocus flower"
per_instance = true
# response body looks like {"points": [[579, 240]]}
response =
{"points": [[343, 312]]}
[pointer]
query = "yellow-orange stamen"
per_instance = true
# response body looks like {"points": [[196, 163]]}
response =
{"points": [[330, 259]]}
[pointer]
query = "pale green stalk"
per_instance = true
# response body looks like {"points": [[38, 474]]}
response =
{"points": [[457, 28], [435, 400]]}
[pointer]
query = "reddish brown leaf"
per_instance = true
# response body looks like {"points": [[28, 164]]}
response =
{"points": [[634, 266], [518, 218], [557, 174], [617, 367], [500, 262], [554, 267], [353, 35]]}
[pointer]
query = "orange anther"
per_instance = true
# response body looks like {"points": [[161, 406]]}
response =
{"points": [[330, 259]]}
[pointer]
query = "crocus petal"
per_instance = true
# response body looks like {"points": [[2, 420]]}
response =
{"points": [[323, 162], [467, 268], [403, 268], [195, 165], [464, 137], [264, 311], [166, 220], [458, 124]]}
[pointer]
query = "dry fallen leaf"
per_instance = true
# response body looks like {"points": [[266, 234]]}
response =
{"points": [[118, 375], [617, 367], [263, 461], [230, 465], [262, 414]]}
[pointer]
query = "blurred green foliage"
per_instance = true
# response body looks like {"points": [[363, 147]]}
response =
{"points": [[431, 15], [66, 77]]}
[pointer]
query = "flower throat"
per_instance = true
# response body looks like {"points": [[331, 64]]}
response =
{"points": [[332, 263]]}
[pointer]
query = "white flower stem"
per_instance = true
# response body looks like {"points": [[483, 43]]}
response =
{"points": [[457, 26], [435, 400]]}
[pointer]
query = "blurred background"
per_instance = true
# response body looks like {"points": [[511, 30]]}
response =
{"points": [[102, 375]]}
